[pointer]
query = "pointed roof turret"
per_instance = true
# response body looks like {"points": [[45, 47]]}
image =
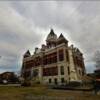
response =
{"points": [[61, 36], [61, 39], [51, 36], [52, 32], [27, 54]]}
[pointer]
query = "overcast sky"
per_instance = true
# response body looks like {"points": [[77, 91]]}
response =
{"points": [[25, 25]]}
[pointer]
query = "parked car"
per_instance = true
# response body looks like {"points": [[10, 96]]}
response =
{"points": [[5, 82]]}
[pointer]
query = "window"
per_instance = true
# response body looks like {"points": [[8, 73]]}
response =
{"points": [[62, 80], [67, 55], [55, 80], [79, 72], [61, 55], [52, 71], [50, 58], [62, 70], [50, 80], [82, 73], [69, 78], [35, 73], [68, 71]]}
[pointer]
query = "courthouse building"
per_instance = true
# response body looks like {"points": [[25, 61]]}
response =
{"points": [[54, 63]]}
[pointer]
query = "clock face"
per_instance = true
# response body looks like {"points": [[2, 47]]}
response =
{"points": [[35, 73]]}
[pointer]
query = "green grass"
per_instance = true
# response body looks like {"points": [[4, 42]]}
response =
{"points": [[26, 93]]}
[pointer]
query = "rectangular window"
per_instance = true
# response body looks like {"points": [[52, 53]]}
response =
{"points": [[50, 80], [79, 72], [61, 55], [62, 70], [55, 80], [52, 71], [83, 73], [67, 55], [50, 58], [62, 80], [68, 71], [35, 73]]}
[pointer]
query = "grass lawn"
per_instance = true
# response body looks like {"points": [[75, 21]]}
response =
{"points": [[37, 92]]}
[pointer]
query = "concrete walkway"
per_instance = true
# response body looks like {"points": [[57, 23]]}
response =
{"points": [[10, 84]]}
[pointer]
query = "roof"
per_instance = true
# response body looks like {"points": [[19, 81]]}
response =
{"points": [[51, 35], [52, 32], [87, 78], [61, 39], [6, 73], [61, 36], [27, 53]]}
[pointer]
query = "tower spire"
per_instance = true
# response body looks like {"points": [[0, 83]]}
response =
{"points": [[51, 39]]}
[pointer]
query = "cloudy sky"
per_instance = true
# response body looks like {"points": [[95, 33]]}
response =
{"points": [[25, 25]]}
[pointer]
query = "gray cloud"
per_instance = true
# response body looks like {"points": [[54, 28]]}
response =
{"points": [[25, 25]]}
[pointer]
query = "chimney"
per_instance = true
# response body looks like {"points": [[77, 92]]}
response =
{"points": [[43, 46], [72, 46], [36, 49]]}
